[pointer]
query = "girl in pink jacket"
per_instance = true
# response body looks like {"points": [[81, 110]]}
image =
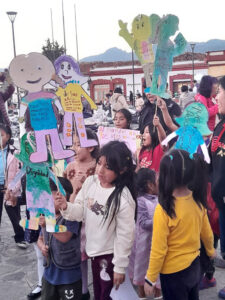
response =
{"points": [[9, 166], [207, 91]]}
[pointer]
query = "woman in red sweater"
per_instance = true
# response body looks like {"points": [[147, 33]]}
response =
{"points": [[207, 91]]}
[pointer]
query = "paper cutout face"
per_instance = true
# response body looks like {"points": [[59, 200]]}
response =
{"points": [[166, 50], [195, 115], [68, 70], [30, 72], [141, 27]]}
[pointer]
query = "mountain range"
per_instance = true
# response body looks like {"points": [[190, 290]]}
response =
{"points": [[116, 54]]}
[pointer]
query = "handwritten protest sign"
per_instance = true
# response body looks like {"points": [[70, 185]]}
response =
{"points": [[132, 138]]}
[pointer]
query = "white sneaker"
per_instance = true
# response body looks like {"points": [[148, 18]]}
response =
{"points": [[22, 245]]}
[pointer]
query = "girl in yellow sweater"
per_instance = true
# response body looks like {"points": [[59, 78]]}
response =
{"points": [[180, 221]]}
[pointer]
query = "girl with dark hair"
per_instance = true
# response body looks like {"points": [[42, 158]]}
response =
{"points": [[207, 91], [107, 204], [217, 168], [147, 200], [151, 151], [9, 166], [179, 221], [123, 119], [76, 172]]}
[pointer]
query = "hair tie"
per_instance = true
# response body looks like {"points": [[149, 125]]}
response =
{"points": [[171, 157]]}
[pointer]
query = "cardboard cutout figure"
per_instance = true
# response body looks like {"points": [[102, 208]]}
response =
{"points": [[141, 39], [30, 72], [165, 52], [194, 126], [68, 70], [38, 193]]}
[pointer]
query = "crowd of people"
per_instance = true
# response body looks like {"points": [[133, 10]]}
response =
{"points": [[156, 214]]}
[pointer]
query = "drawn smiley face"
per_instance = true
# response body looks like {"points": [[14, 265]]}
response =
{"points": [[67, 73], [30, 72], [141, 27]]}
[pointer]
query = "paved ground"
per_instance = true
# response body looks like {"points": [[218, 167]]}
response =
{"points": [[18, 269]]}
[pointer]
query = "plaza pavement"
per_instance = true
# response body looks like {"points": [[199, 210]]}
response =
{"points": [[18, 269]]}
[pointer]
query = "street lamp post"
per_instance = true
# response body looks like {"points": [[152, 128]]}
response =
{"points": [[193, 65], [64, 31], [133, 77], [12, 16]]}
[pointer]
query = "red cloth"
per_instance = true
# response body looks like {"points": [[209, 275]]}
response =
{"points": [[211, 107], [213, 212], [147, 160]]}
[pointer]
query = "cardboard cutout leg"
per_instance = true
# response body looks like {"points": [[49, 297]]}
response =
{"points": [[32, 223], [41, 148], [68, 129], [147, 68], [84, 142], [51, 225], [57, 149]]}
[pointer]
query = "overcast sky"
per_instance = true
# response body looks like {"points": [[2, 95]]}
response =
{"points": [[200, 20]]}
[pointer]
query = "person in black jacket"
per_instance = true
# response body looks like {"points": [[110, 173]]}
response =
{"points": [[149, 110], [217, 151]]}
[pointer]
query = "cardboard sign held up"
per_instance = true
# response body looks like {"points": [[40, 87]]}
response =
{"points": [[131, 138]]}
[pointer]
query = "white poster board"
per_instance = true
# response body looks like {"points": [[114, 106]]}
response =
{"points": [[130, 137]]}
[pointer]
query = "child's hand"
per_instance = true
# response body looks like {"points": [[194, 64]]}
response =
{"points": [[156, 121], [44, 250], [161, 103], [9, 196], [60, 201], [149, 290], [118, 279], [157, 293], [214, 254], [42, 221]]}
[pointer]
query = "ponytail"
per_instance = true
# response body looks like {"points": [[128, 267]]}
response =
{"points": [[177, 169], [167, 185], [199, 182]]}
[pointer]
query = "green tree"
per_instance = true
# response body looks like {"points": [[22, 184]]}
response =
{"points": [[52, 50]]}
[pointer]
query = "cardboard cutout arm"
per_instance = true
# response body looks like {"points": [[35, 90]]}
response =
{"points": [[205, 153], [23, 108], [180, 44], [88, 98], [125, 34], [13, 184], [58, 105], [169, 138]]}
